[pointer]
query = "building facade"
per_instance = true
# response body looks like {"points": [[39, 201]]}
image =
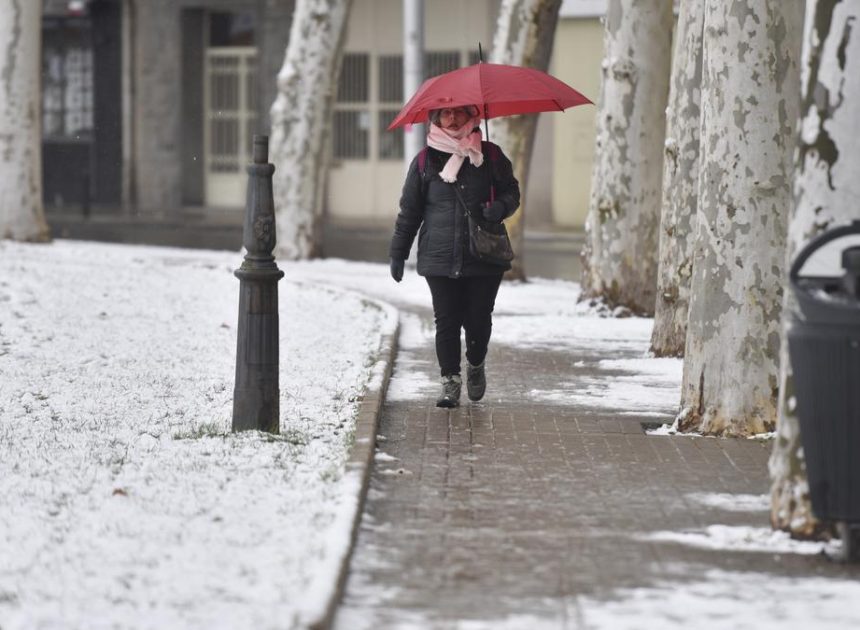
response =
{"points": [[149, 105]]}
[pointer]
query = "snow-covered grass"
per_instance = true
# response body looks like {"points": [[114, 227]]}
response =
{"points": [[125, 501]]}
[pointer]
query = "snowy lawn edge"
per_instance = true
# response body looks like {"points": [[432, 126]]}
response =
{"points": [[319, 613], [91, 335]]}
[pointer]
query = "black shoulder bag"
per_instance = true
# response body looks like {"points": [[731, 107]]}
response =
{"points": [[488, 241]]}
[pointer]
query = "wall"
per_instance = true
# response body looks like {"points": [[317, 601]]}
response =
{"points": [[364, 191], [157, 119], [167, 117], [576, 60]]}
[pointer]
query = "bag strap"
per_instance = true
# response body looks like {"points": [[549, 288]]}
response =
{"points": [[422, 161], [463, 203], [492, 153]]}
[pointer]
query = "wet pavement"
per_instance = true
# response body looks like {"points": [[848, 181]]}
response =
{"points": [[521, 513]]}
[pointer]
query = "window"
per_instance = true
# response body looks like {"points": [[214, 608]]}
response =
{"points": [[67, 83], [351, 122], [370, 95], [441, 62], [390, 78], [390, 142], [351, 134], [353, 81], [231, 115], [390, 102]]}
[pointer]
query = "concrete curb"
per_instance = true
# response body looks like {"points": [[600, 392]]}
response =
{"points": [[360, 460]]}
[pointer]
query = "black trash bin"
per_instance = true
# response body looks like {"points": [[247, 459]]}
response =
{"points": [[824, 347]]}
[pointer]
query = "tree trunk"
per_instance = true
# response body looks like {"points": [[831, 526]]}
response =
{"points": [[22, 213], [826, 194], [301, 119], [750, 83], [524, 36], [680, 185], [620, 254]]}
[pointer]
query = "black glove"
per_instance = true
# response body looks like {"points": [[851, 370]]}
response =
{"points": [[494, 212], [397, 269]]}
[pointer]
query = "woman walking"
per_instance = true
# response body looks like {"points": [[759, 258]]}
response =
{"points": [[456, 169]]}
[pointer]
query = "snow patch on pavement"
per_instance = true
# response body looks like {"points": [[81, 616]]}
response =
{"points": [[645, 386], [732, 502], [723, 599], [742, 538]]}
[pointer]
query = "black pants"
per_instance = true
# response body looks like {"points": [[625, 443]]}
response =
{"points": [[463, 303]]}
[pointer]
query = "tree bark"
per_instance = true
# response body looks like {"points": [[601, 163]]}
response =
{"points": [[750, 84], [524, 36], [620, 254], [680, 185], [301, 119], [22, 213], [826, 193]]}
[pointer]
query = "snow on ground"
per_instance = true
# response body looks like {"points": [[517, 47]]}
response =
{"points": [[411, 378], [732, 502], [743, 538], [718, 600], [125, 500], [537, 315], [641, 387]]}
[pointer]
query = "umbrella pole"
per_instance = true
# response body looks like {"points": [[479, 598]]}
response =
{"points": [[487, 127], [486, 121]]}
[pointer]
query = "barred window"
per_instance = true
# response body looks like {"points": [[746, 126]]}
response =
{"points": [[390, 142], [231, 113], [351, 135], [351, 123], [354, 80], [390, 78], [440, 62], [370, 96], [67, 92]]}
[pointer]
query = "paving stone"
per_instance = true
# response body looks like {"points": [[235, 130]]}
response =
{"points": [[514, 506]]}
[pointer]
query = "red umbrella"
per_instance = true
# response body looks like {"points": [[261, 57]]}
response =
{"points": [[500, 90]]}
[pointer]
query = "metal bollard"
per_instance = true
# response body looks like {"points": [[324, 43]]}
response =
{"points": [[256, 397]]}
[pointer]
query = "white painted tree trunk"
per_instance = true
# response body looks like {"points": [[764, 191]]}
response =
{"points": [[525, 33], [827, 194], [680, 184], [301, 119], [750, 84], [22, 214], [620, 254]]}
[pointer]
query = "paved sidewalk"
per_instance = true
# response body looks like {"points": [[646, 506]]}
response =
{"points": [[513, 513]]}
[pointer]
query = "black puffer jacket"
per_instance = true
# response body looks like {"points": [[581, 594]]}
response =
{"points": [[430, 204]]}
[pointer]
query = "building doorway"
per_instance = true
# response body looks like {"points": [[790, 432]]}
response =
{"points": [[82, 104], [230, 106]]}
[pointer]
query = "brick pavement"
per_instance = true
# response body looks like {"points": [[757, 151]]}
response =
{"points": [[515, 507]]}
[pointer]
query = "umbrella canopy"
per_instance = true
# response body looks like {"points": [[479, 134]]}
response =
{"points": [[498, 89]]}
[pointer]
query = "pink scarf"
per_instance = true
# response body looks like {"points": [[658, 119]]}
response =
{"points": [[462, 143]]}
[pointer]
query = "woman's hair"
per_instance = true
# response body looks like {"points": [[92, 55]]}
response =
{"points": [[435, 114]]}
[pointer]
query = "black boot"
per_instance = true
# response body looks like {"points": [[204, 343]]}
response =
{"points": [[476, 381], [450, 391]]}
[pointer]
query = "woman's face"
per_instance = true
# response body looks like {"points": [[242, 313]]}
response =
{"points": [[454, 117]]}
